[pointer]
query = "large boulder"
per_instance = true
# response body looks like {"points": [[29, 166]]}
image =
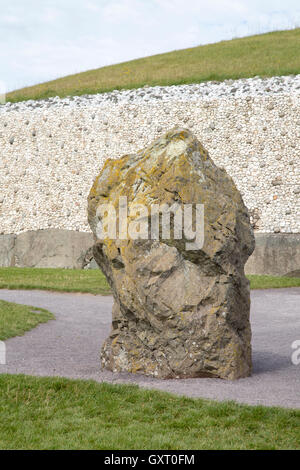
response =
{"points": [[181, 309]]}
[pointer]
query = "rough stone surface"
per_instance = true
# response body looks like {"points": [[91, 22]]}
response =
{"points": [[177, 313], [51, 248], [7, 244], [275, 254]]}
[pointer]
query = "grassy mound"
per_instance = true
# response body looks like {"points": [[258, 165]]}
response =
{"points": [[266, 55]]}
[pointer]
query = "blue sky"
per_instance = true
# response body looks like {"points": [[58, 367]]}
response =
{"points": [[42, 40]]}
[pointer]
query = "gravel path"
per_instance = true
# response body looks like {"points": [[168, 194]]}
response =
{"points": [[69, 346]]}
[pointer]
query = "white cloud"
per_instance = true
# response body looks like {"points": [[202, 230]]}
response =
{"points": [[116, 11]]}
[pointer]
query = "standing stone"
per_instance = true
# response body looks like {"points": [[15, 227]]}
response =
{"points": [[177, 312]]}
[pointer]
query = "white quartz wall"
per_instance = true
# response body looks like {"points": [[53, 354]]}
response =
{"points": [[51, 151]]}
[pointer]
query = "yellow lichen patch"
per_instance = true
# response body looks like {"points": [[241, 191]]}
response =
{"points": [[214, 310]]}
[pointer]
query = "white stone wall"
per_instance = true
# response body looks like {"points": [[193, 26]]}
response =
{"points": [[51, 151]]}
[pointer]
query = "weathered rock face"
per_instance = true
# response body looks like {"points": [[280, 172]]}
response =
{"points": [[178, 312]]}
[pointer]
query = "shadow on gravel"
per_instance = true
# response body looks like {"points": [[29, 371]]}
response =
{"points": [[264, 361]]}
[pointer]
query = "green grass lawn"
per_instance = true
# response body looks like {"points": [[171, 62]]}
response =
{"points": [[272, 282], [93, 280], [66, 280], [16, 319], [275, 53], [55, 413]]}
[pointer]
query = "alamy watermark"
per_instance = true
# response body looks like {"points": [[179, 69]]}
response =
{"points": [[295, 357], [138, 222], [2, 92], [2, 353]]}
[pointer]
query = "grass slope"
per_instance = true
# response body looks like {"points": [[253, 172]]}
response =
{"points": [[55, 413], [16, 319], [270, 54], [93, 280]]}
